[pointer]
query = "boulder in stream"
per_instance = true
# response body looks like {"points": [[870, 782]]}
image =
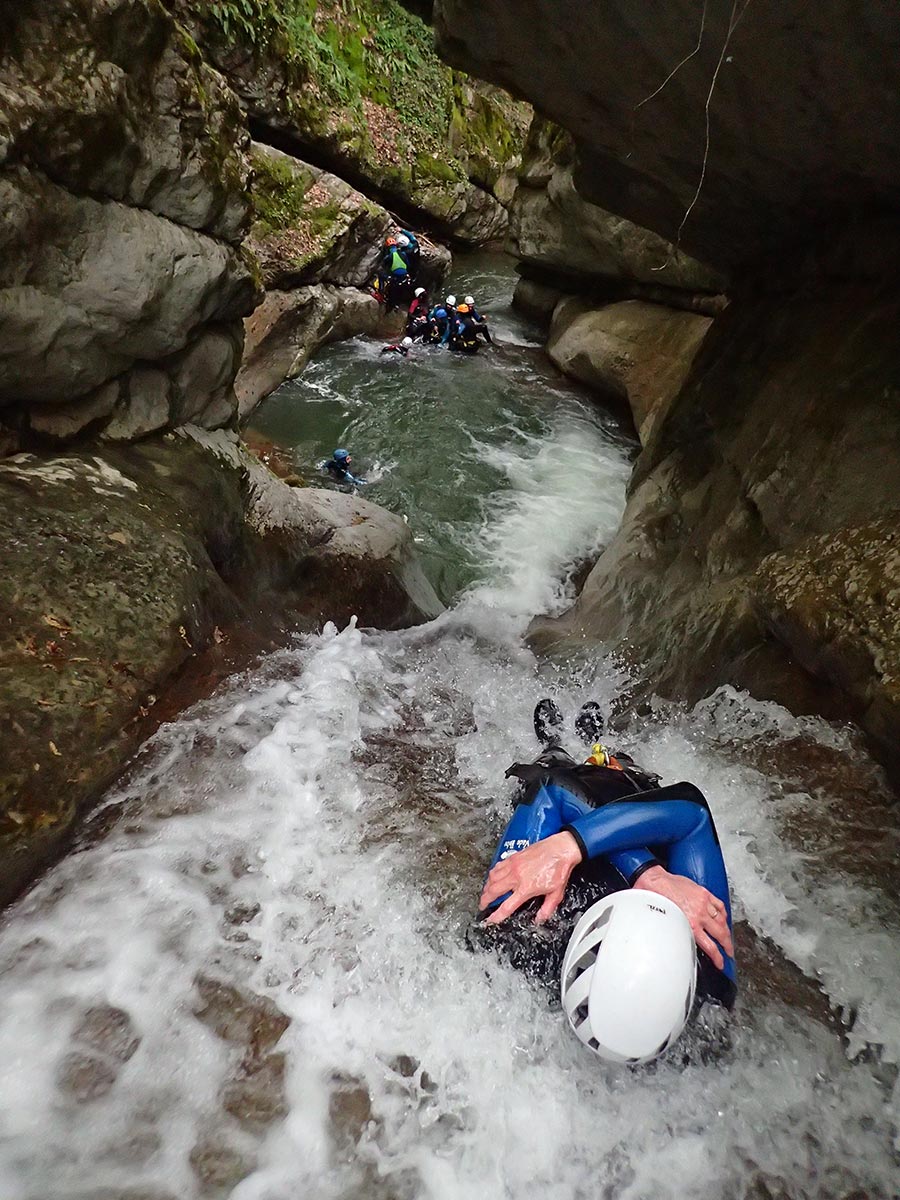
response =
{"points": [[120, 564], [632, 352]]}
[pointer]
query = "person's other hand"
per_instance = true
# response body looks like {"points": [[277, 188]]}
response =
{"points": [[705, 912], [539, 870]]}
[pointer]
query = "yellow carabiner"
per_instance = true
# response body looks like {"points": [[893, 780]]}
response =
{"points": [[599, 755]]}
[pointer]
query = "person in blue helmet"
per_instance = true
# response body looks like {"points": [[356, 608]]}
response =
{"points": [[338, 468], [440, 326], [581, 831]]}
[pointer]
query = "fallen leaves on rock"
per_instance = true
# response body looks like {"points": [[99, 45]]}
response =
{"points": [[55, 623]]}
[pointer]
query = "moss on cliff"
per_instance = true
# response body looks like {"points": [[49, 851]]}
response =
{"points": [[360, 81]]}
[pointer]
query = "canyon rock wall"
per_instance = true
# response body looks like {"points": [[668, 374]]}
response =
{"points": [[121, 563], [762, 141], [130, 210], [359, 90], [802, 106], [122, 205]]}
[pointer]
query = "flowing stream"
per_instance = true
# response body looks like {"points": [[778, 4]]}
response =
{"points": [[251, 979]]}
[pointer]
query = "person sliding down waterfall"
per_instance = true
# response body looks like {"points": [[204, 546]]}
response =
{"points": [[633, 871], [401, 348], [338, 468]]}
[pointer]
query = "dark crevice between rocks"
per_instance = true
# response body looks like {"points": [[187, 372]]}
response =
{"points": [[398, 207], [603, 290]]}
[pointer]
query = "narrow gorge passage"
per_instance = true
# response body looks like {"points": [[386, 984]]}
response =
{"points": [[256, 985]]}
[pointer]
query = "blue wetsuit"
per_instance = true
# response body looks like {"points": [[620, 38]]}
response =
{"points": [[339, 473], [620, 838]]}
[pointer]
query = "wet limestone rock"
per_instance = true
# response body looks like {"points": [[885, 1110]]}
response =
{"points": [[536, 300], [113, 100], [836, 603], [288, 327], [119, 562], [786, 154], [758, 545], [631, 352], [310, 226], [88, 288], [359, 89], [557, 235], [123, 194]]}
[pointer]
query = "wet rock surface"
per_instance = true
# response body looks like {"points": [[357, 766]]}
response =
{"points": [[360, 91], [120, 565], [123, 182], [289, 326], [783, 439], [785, 153], [784, 442], [635, 353], [836, 602], [555, 233]]}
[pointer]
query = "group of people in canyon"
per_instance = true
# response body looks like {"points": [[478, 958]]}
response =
{"points": [[631, 871], [456, 325]]}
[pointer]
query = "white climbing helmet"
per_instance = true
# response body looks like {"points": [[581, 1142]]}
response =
{"points": [[419, 292], [451, 300], [470, 300], [629, 975], [407, 341], [402, 239]]}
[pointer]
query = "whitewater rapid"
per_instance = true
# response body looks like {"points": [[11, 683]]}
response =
{"points": [[252, 979]]}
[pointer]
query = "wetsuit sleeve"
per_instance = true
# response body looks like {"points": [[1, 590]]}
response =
{"points": [[684, 826], [631, 864], [530, 823]]}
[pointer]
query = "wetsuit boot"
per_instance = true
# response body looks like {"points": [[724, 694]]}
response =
{"points": [[548, 723], [590, 723]]}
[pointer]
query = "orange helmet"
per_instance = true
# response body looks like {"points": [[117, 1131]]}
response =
{"points": [[463, 308]]}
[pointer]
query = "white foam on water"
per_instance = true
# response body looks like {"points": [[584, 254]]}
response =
{"points": [[315, 835], [564, 500], [284, 793]]}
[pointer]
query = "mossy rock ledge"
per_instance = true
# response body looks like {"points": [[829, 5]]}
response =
{"points": [[120, 564]]}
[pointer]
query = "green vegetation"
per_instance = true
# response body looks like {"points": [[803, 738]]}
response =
{"points": [[364, 75], [279, 194]]}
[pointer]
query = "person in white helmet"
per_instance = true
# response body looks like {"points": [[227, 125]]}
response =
{"points": [[408, 245], [401, 348], [417, 317], [578, 834], [479, 322]]}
